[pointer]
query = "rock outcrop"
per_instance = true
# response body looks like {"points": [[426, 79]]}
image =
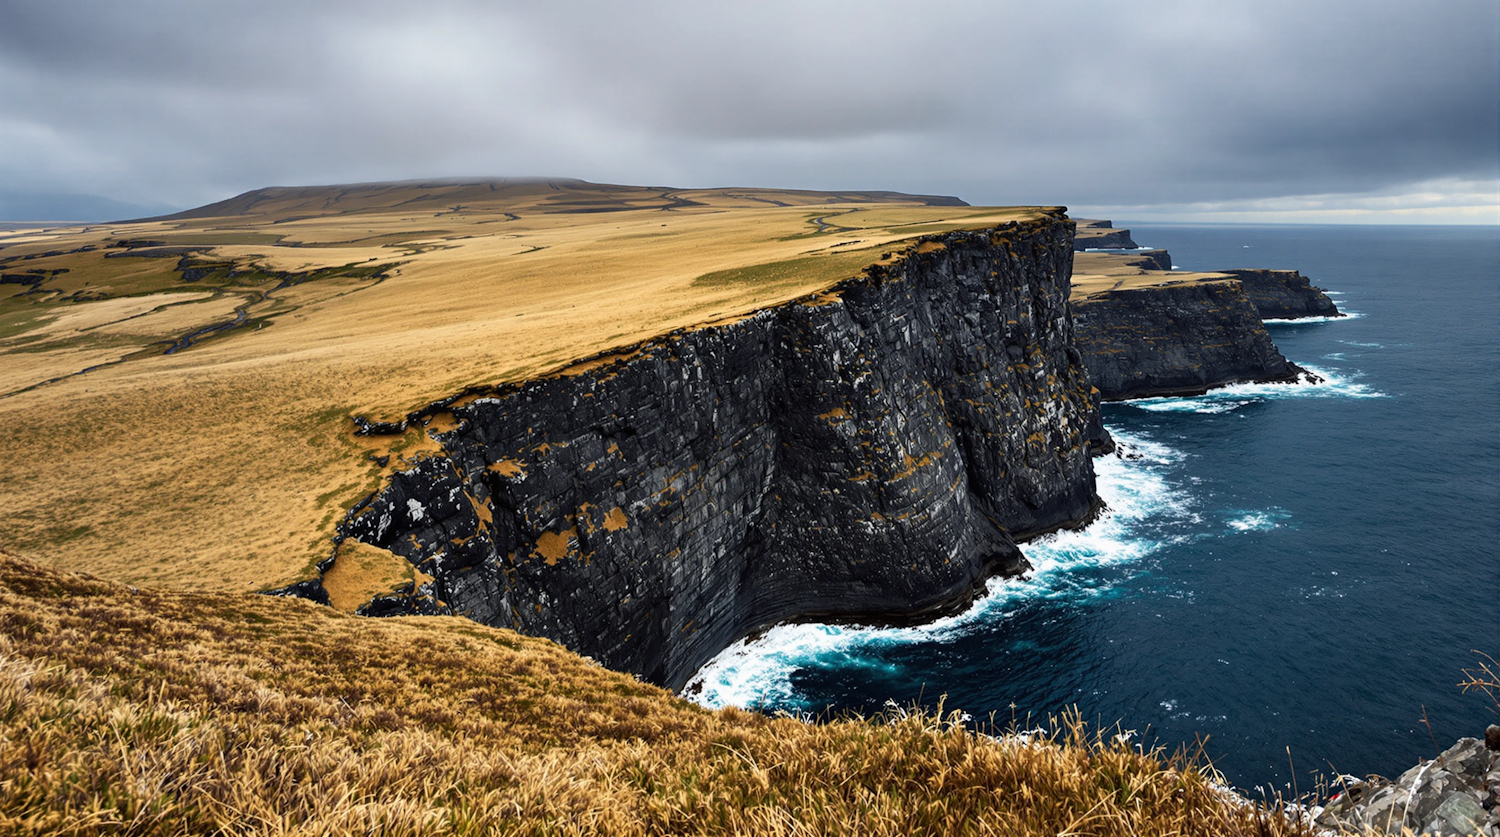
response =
{"points": [[1284, 294], [1153, 260], [870, 452], [1454, 795], [1175, 339]]}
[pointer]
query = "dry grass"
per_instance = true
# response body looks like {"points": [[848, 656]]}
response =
{"points": [[1097, 272], [126, 711], [225, 466]]}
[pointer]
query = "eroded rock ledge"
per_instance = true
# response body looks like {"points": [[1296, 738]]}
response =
{"points": [[869, 452]]}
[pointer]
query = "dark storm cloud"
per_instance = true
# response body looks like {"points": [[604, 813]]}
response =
{"points": [[1096, 104]]}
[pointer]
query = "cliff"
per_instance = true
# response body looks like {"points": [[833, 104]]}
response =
{"points": [[1175, 338], [1284, 294], [1101, 235], [872, 451]]}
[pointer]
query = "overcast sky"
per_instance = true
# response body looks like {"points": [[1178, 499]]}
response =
{"points": [[1344, 110]]}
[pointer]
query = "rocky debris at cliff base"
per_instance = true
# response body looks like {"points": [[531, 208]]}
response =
{"points": [[1454, 795]]}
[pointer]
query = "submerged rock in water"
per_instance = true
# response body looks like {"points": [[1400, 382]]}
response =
{"points": [[1452, 795]]}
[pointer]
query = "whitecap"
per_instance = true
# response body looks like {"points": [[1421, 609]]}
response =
{"points": [[1258, 521], [1329, 384], [1346, 315], [1185, 405], [757, 672]]}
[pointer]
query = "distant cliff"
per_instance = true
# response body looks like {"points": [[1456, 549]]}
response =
{"points": [[1284, 294], [1179, 338], [1101, 235], [873, 451]]}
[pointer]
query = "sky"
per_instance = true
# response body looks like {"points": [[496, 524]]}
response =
{"points": [[1321, 111]]}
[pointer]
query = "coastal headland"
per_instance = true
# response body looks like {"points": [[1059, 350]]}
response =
{"points": [[1147, 330], [177, 396], [640, 421]]}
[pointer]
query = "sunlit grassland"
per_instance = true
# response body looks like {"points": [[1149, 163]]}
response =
{"points": [[227, 465], [140, 711], [1098, 272]]}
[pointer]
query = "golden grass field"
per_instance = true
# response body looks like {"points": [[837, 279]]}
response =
{"points": [[1098, 272], [136, 711], [226, 466]]}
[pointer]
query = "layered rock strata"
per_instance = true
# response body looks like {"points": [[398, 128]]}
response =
{"points": [[1175, 339], [869, 452]]}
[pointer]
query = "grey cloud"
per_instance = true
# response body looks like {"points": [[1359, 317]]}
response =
{"points": [[1158, 102]]}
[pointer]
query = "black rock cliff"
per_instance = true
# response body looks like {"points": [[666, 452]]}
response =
{"points": [[869, 452], [1284, 295], [1176, 339]]}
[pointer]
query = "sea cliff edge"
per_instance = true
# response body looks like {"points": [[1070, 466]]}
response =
{"points": [[873, 451]]}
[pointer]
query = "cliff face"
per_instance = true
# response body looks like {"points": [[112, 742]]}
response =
{"points": [[1175, 339], [1284, 294], [870, 452]]}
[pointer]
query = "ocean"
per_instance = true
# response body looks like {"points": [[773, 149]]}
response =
{"points": [[1291, 576]]}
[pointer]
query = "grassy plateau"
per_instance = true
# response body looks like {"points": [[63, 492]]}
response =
{"points": [[225, 464]]}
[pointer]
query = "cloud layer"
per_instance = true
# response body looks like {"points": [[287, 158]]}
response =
{"points": [[1233, 104]]}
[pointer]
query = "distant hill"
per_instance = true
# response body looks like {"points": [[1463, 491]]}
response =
{"points": [[544, 194]]}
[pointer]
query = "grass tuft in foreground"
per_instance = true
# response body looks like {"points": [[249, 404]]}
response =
{"points": [[126, 711]]}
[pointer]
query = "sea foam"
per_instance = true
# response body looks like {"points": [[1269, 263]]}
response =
{"points": [[1343, 317], [1229, 398], [1258, 521]]}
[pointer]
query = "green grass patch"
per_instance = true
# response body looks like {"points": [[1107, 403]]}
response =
{"points": [[822, 269]]}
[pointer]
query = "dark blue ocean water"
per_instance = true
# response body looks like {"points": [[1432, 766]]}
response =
{"points": [[1302, 567]]}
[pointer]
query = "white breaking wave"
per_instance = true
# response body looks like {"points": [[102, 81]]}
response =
{"points": [[758, 671], [1258, 521], [1347, 315], [1232, 397]]}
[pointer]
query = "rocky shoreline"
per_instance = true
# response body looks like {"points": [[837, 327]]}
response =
{"points": [[1176, 340]]}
